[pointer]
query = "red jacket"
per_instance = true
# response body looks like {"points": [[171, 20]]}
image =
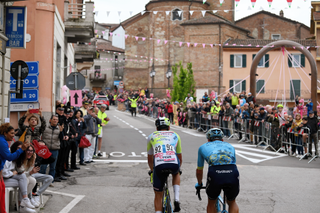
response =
{"points": [[169, 108]]}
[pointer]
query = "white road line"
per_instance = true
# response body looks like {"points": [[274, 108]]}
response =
{"points": [[122, 161], [72, 204], [252, 154], [144, 135], [131, 126], [136, 128], [253, 148], [140, 131]]}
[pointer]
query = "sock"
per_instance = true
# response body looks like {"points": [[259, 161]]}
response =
{"points": [[158, 211], [98, 151], [176, 189]]}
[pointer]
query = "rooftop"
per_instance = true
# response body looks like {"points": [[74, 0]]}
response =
{"points": [[243, 43], [103, 44]]}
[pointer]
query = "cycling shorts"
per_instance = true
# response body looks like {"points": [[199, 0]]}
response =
{"points": [[159, 178], [224, 177]]}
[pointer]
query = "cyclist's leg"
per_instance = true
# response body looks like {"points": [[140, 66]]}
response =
{"points": [[175, 168], [211, 208], [233, 206], [158, 184], [158, 201]]}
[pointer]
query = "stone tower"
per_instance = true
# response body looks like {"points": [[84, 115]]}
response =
{"points": [[226, 5]]}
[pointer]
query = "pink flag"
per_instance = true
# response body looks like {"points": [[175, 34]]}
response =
{"points": [[111, 34], [294, 47], [137, 38], [180, 43], [143, 38], [188, 44], [159, 41], [234, 44], [165, 41], [103, 32], [126, 36], [249, 45], [258, 46], [308, 47], [96, 31], [195, 44], [204, 45], [211, 45], [220, 45], [302, 47]]}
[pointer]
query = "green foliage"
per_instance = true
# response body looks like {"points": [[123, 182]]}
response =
{"points": [[184, 83]]}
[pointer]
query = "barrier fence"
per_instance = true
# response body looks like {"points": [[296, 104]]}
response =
{"points": [[253, 131]]}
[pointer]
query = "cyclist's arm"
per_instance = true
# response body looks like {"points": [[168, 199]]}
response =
{"points": [[150, 153], [179, 149], [150, 162], [180, 158], [200, 165]]}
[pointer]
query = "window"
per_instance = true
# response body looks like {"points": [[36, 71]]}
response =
{"points": [[238, 61], [97, 71], [295, 85], [276, 36], [260, 84], [264, 61], [239, 87], [296, 60], [176, 16]]}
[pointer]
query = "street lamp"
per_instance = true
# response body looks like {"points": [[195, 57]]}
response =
{"points": [[168, 74], [152, 74]]}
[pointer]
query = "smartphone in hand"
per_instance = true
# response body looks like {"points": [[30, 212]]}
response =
{"points": [[35, 111]]}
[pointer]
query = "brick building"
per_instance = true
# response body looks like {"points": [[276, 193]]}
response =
{"points": [[210, 29], [266, 25]]}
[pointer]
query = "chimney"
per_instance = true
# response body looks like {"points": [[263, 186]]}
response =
{"points": [[281, 13]]}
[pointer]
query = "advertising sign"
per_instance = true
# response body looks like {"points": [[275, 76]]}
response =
{"points": [[16, 20]]}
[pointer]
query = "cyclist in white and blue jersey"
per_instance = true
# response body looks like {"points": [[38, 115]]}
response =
{"points": [[222, 171]]}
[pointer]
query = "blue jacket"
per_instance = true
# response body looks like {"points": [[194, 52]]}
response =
{"points": [[80, 128], [245, 114], [5, 154], [310, 106]]}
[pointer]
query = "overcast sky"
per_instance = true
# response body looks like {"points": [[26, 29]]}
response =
{"points": [[301, 14]]}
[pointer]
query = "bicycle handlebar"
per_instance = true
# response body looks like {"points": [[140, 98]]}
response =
{"points": [[198, 191]]}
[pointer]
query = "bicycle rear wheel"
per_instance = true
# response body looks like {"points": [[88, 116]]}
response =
{"points": [[166, 202]]}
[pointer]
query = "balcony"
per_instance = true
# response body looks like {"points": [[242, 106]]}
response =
{"points": [[85, 52], [79, 22], [95, 77]]}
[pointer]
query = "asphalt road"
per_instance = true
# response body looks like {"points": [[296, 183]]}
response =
{"points": [[269, 182]]}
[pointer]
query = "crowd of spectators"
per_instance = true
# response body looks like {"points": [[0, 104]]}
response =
{"points": [[60, 137]]}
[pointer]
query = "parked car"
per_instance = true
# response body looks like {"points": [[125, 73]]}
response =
{"points": [[101, 99]]}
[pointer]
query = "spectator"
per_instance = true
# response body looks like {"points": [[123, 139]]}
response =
{"points": [[313, 125], [7, 135], [215, 113], [205, 98], [80, 126], [84, 107], [234, 100], [189, 99], [25, 164], [102, 115], [274, 120], [134, 105], [250, 98], [297, 138], [227, 99], [242, 100], [70, 131], [309, 106], [147, 92], [92, 122], [206, 116], [52, 136], [169, 108], [228, 124], [33, 130]]}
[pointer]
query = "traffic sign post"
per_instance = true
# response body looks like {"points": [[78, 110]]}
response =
{"points": [[76, 98], [19, 70], [75, 81], [30, 82], [28, 95]]}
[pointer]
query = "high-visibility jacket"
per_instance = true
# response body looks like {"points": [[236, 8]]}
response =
{"points": [[134, 102], [102, 116], [215, 109]]}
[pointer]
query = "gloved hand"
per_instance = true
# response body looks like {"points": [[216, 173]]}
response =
{"points": [[198, 185], [151, 176]]}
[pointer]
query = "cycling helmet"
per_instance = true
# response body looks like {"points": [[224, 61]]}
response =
{"points": [[280, 106], [162, 122], [214, 133]]}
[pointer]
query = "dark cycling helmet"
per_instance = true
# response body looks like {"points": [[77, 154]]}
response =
{"points": [[162, 122], [214, 133]]}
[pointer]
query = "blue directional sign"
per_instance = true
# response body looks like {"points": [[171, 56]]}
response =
{"points": [[30, 82], [33, 67], [16, 27], [29, 95]]}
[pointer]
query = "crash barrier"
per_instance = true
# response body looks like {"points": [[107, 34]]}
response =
{"points": [[290, 142]]}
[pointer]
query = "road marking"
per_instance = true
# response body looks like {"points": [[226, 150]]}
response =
{"points": [[140, 131], [144, 135], [117, 154], [72, 204], [131, 126], [136, 129], [133, 154]]}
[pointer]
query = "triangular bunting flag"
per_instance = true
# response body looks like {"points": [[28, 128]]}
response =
{"points": [[237, 2], [165, 41], [179, 13], [195, 44], [188, 44], [126, 36], [214, 11], [211, 45], [158, 41], [226, 11], [221, 1], [137, 38], [180, 43], [119, 13], [97, 13], [143, 12], [204, 1], [108, 12], [143, 38], [155, 12], [203, 12], [131, 13], [204, 45], [167, 12], [289, 3], [270, 2], [191, 12]]}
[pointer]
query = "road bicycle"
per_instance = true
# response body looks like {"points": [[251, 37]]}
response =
{"points": [[221, 202]]}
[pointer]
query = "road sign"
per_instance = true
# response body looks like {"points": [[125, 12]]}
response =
{"points": [[33, 67], [16, 27], [75, 81], [23, 107], [30, 82], [76, 98], [28, 95], [121, 83], [14, 69]]}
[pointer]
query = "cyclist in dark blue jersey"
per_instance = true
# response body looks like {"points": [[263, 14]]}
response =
{"points": [[222, 172]]}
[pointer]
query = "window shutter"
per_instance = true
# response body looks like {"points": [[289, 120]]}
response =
{"points": [[266, 60], [289, 62], [243, 85], [231, 85], [253, 56], [303, 60], [231, 61], [244, 60], [260, 84]]}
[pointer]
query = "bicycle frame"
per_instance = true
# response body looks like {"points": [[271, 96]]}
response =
{"points": [[219, 200]]}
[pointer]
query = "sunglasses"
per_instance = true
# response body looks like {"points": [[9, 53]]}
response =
{"points": [[30, 151]]}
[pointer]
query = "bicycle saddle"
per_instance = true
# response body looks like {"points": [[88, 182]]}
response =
{"points": [[166, 171]]}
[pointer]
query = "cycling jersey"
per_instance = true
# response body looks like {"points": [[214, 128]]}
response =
{"points": [[164, 145], [216, 153]]}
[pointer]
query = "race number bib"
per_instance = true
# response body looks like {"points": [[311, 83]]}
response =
{"points": [[164, 154]]}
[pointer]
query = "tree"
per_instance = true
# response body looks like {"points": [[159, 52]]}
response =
{"points": [[184, 83]]}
